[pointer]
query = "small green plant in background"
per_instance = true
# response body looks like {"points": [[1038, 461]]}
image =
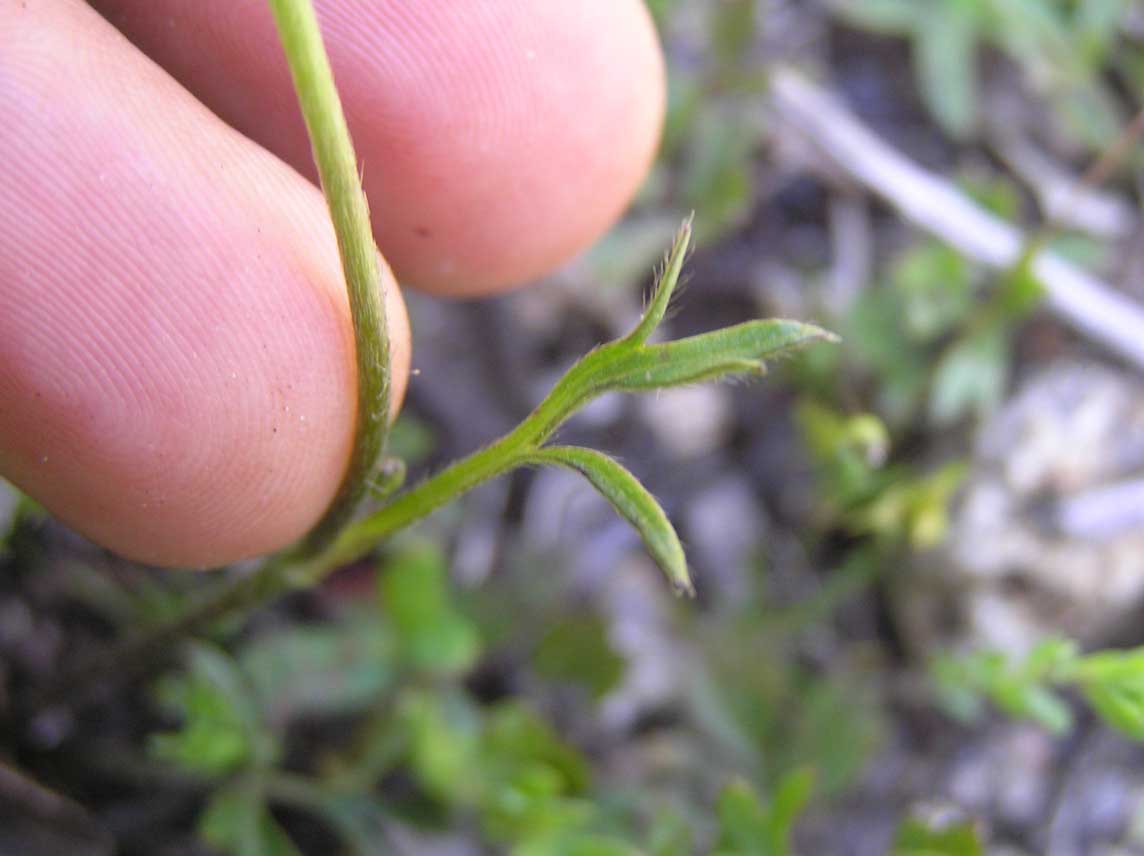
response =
{"points": [[1062, 46], [395, 661], [714, 125], [749, 826], [1111, 682], [715, 129], [936, 837], [934, 340], [769, 716]]}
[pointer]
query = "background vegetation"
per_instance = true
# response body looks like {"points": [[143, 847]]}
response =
{"points": [[919, 556]]}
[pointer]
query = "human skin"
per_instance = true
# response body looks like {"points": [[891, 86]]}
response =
{"points": [[176, 356]]}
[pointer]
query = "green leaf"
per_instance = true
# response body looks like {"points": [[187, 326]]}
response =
{"points": [[237, 823], [790, 800], [848, 451], [670, 836], [631, 500], [431, 634], [914, 509], [748, 826], [1021, 691], [718, 167], [221, 729], [917, 838], [838, 729], [534, 785], [971, 377], [666, 282], [1052, 660], [1052, 52], [1113, 683], [516, 739], [956, 693], [576, 650], [742, 821], [1122, 707], [444, 745], [335, 669], [934, 284], [1020, 291], [622, 365], [1113, 665], [736, 350], [945, 53], [1035, 702], [875, 332]]}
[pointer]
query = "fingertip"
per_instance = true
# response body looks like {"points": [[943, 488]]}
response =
{"points": [[498, 137], [525, 153], [177, 374]]}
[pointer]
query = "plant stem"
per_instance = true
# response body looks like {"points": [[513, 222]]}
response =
{"points": [[297, 569], [284, 572], [623, 365], [338, 171], [417, 503]]}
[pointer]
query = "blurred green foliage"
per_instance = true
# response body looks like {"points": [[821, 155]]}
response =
{"points": [[768, 715], [894, 504], [1111, 681], [934, 336], [576, 651], [424, 746], [917, 837], [221, 729], [749, 826], [1061, 46], [715, 124], [396, 668]]}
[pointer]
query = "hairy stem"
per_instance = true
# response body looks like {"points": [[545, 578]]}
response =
{"points": [[150, 649], [338, 171], [627, 364]]}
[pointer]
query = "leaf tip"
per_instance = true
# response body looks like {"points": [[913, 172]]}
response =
{"points": [[682, 587], [813, 333], [666, 281], [685, 229]]}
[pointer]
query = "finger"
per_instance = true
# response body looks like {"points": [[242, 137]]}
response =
{"points": [[176, 355], [498, 136]]}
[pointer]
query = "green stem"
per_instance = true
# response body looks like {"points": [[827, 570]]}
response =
{"points": [[284, 572], [338, 171], [298, 569], [624, 365], [359, 538]]}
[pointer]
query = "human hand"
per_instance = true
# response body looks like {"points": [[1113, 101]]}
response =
{"points": [[176, 355]]}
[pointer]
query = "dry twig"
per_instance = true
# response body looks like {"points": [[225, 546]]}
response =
{"points": [[935, 205]]}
